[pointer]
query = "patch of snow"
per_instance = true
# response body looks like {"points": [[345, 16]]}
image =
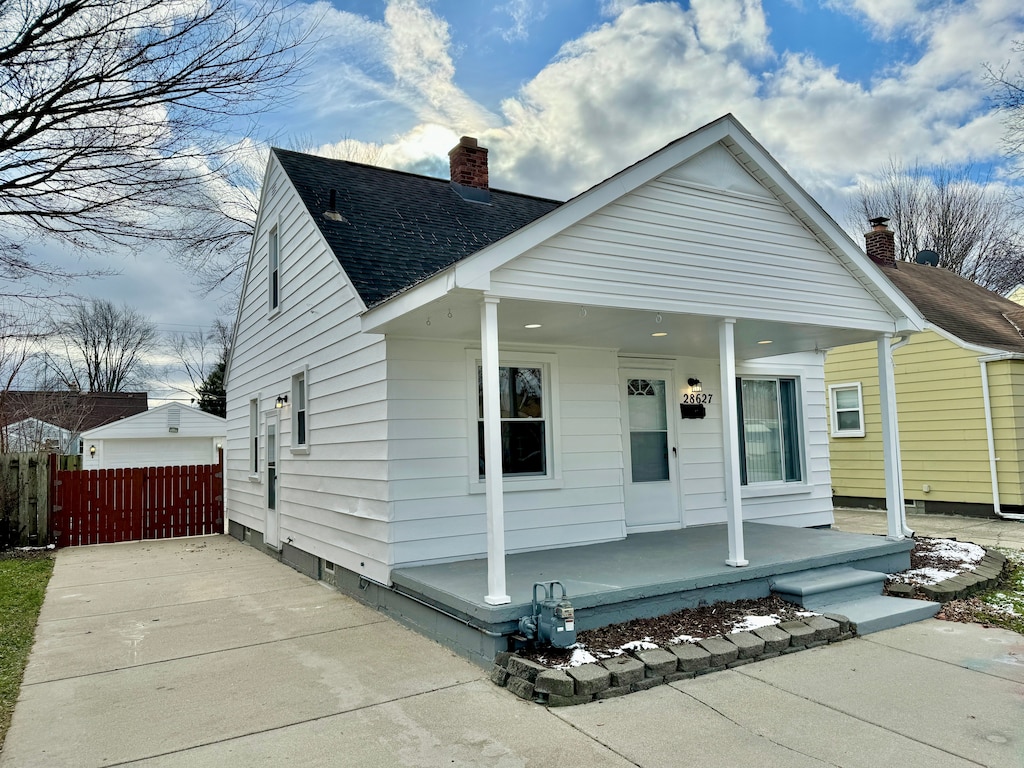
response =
{"points": [[924, 576], [806, 614], [639, 645], [683, 639], [36, 549], [959, 551], [755, 622]]}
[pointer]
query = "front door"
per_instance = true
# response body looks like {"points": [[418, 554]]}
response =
{"points": [[652, 500], [272, 532]]}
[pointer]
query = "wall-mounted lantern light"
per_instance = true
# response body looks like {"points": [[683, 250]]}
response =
{"points": [[92, 451], [282, 401], [694, 385]]}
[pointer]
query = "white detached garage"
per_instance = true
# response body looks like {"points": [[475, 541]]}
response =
{"points": [[170, 435]]}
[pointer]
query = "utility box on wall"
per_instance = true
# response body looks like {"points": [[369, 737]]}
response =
{"points": [[688, 411]]}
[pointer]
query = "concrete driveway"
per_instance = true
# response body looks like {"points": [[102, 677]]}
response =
{"points": [[203, 652]]}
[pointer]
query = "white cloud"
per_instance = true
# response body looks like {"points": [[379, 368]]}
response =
{"points": [[523, 13]]}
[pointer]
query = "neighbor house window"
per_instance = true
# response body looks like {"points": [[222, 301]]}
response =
{"points": [[275, 269], [300, 417], [525, 432], [254, 436], [847, 406], [769, 421]]}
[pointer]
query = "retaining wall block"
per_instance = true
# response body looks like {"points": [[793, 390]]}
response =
{"points": [[799, 633], [521, 687], [721, 650], [658, 662], [524, 668], [625, 670], [499, 675], [590, 679], [775, 639], [824, 629], [750, 645], [555, 681], [693, 658]]}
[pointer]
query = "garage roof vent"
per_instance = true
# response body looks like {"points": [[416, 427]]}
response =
{"points": [[173, 418]]}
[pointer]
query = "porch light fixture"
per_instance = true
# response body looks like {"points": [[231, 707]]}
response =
{"points": [[92, 451], [282, 401], [694, 385]]}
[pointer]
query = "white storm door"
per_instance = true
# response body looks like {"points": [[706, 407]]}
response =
{"points": [[649, 443], [272, 530]]}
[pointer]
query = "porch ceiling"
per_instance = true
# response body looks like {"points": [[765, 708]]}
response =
{"points": [[457, 317]]}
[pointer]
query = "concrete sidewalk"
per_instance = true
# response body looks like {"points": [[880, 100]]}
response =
{"points": [[203, 652], [984, 531]]}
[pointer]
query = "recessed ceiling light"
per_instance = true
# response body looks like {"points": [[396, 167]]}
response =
{"points": [[765, 341], [659, 334], [532, 325]]}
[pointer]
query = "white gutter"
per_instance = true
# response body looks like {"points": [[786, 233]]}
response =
{"points": [[901, 341], [990, 435]]}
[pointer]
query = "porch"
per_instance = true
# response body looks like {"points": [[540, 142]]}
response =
{"points": [[643, 575]]}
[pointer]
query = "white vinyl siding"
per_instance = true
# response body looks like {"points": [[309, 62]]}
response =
{"points": [[437, 518], [333, 503], [677, 245]]}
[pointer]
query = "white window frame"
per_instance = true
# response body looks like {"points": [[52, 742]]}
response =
{"points": [[274, 269], [769, 487], [253, 451], [548, 364], [299, 402], [834, 410]]}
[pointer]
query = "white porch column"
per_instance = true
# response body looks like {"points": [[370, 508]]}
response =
{"points": [[493, 485], [890, 439], [730, 441]]}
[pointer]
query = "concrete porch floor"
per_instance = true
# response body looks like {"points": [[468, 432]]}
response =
{"points": [[643, 575]]}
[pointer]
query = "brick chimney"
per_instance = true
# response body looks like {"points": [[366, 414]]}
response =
{"points": [[880, 242], [469, 163]]}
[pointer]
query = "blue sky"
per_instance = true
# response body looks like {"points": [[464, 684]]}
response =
{"points": [[566, 92]]}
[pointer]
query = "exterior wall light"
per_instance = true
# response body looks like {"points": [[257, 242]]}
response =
{"points": [[92, 451], [282, 401], [694, 385]]}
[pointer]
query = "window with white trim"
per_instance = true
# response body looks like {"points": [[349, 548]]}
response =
{"points": [[846, 402], [769, 430], [300, 411], [526, 438], [274, 263], [254, 436]]}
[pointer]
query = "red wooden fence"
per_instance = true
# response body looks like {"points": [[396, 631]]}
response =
{"points": [[103, 506]]}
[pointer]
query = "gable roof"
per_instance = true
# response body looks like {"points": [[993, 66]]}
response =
{"points": [[395, 228], [193, 421], [961, 307], [74, 411]]}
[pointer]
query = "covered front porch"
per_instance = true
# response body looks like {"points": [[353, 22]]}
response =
{"points": [[643, 575]]}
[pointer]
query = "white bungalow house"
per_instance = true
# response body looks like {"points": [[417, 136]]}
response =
{"points": [[167, 436], [647, 356]]}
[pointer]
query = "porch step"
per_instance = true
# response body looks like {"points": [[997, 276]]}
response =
{"points": [[824, 587], [873, 614], [854, 593]]}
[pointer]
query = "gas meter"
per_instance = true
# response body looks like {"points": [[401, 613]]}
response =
{"points": [[553, 621]]}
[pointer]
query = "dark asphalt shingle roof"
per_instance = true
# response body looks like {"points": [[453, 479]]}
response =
{"points": [[961, 307], [398, 228], [73, 411]]}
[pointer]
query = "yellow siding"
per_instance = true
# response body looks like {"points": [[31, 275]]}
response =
{"points": [[942, 423]]}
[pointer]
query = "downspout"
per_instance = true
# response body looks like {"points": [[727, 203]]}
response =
{"points": [[901, 341], [990, 435]]}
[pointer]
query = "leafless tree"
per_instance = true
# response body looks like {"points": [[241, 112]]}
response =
{"points": [[1006, 83], [199, 353], [102, 347], [115, 117], [955, 211]]}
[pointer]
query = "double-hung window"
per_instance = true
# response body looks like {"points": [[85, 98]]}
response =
{"points": [[274, 262], [769, 427], [525, 421], [300, 412], [846, 403]]}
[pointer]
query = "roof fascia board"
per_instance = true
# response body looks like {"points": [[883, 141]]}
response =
{"points": [[1001, 356], [429, 290], [953, 339]]}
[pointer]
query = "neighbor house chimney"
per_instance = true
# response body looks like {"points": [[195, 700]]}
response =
{"points": [[469, 163], [880, 242]]}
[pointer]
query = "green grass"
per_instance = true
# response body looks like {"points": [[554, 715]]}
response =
{"points": [[22, 586], [1003, 606]]}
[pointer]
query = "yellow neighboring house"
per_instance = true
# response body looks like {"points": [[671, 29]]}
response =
{"points": [[959, 395]]}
